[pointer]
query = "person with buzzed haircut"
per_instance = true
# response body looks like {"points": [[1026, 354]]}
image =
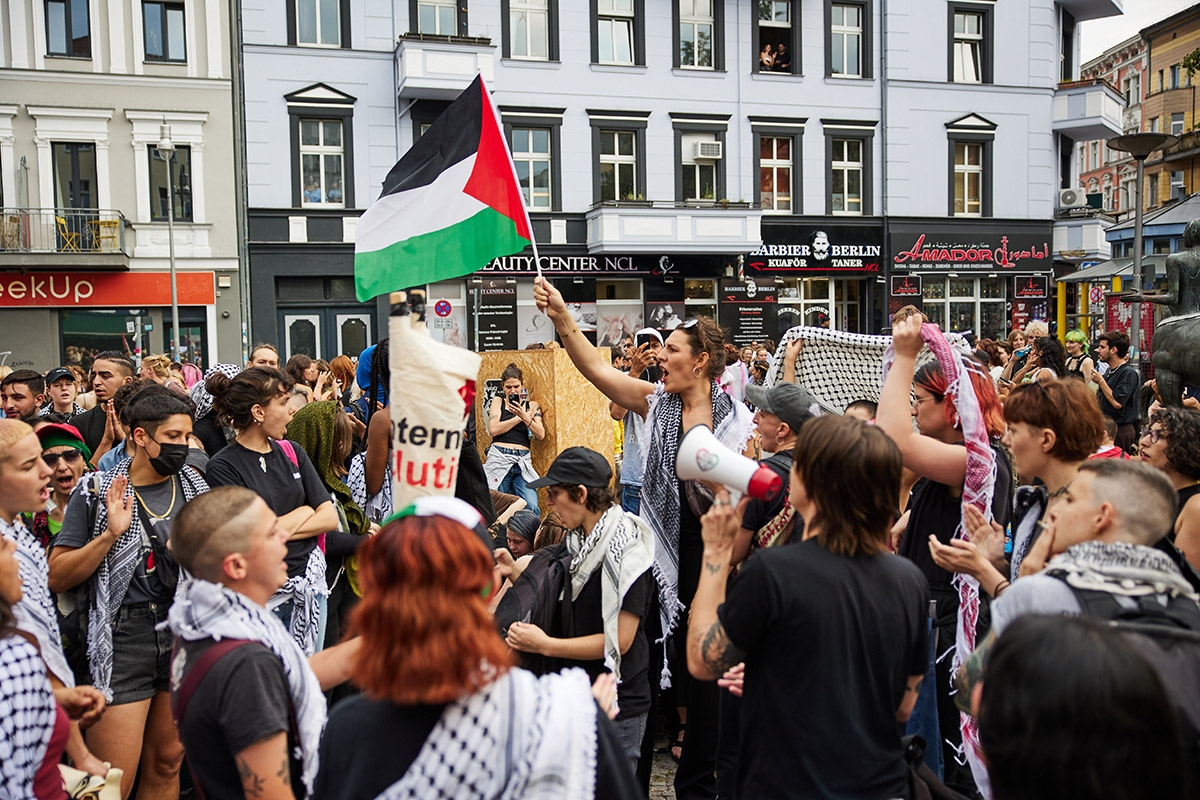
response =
{"points": [[99, 426], [247, 703], [22, 393]]}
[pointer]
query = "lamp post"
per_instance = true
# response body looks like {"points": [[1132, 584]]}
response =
{"points": [[166, 151], [1140, 146]]}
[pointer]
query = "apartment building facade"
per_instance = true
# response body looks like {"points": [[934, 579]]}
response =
{"points": [[86, 87]]}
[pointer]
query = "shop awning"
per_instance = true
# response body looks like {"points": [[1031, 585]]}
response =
{"points": [[1123, 267]]}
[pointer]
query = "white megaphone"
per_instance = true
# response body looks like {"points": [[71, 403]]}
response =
{"points": [[703, 457]]}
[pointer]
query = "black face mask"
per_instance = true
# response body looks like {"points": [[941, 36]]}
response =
{"points": [[170, 458]]}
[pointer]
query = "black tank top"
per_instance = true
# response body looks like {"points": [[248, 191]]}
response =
{"points": [[1075, 365], [1185, 494], [517, 434]]}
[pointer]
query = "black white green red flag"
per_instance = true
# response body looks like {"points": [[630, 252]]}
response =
{"points": [[448, 207]]}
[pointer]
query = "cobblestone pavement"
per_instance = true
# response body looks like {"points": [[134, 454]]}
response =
{"points": [[662, 774]]}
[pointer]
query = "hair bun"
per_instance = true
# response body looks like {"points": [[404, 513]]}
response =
{"points": [[217, 384]]}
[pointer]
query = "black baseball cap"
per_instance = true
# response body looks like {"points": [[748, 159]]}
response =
{"points": [[576, 466], [59, 374]]}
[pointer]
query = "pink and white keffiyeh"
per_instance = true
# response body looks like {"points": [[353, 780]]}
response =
{"points": [[978, 486]]}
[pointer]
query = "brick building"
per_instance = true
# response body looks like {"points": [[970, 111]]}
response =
{"points": [[1170, 107]]}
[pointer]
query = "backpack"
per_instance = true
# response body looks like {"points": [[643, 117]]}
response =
{"points": [[1169, 639], [542, 597]]}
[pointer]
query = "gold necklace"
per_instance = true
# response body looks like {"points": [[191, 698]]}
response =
{"points": [[170, 508]]}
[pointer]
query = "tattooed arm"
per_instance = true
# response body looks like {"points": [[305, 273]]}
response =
{"points": [[709, 652], [909, 701], [264, 770], [970, 674]]}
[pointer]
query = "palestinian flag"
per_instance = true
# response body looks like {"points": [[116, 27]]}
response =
{"points": [[448, 207]]}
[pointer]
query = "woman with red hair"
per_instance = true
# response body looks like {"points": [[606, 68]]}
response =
{"points": [[446, 714], [937, 453]]}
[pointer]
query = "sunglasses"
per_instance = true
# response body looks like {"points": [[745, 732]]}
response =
{"points": [[689, 323], [70, 456]]}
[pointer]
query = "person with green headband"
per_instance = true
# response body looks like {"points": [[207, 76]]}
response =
{"points": [[65, 452], [323, 430], [1079, 363]]}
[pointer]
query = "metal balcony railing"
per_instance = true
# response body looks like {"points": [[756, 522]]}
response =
{"points": [[62, 230]]}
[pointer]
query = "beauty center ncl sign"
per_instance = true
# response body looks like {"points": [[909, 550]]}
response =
{"points": [[104, 290]]}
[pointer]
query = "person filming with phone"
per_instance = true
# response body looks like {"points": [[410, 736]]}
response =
{"points": [[513, 420]]}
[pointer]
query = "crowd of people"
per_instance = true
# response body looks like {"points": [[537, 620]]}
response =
{"points": [[981, 583]]}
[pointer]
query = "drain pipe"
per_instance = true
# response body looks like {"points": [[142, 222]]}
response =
{"points": [[883, 167], [238, 88]]}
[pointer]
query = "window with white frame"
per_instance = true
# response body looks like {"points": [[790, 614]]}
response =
{"points": [[1154, 124], [68, 28], [1106, 189], [847, 176], [1176, 123], [968, 47], [1095, 160], [531, 156], [966, 304], [846, 30], [1177, 189], [529, 29], [319, 23], [1132, 89], [699, 174], [696, 26], [1128, 187], [775, 36], [322, 155], [775, 174], [614, 31], [1082, 158], [439, 17], [1175, 76], [968, 179], [618, 165]]}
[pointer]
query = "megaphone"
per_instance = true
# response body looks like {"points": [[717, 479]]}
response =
{"points": [[703, 457]]}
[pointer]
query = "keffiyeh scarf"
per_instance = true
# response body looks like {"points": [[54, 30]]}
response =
{"points": [[112, 577], [1121, 568], [378, 506], [27, 714], [305, 591], [206, 610], [732, 425], [978, 485], [518, 738], [200, 395], [36, 613], [621, 545]]}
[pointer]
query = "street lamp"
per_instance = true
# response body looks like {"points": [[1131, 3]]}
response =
{"points": [[1140, 146], [166, 151]]}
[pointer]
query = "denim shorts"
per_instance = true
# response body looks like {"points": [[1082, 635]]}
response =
{"points": [[141, 653]]}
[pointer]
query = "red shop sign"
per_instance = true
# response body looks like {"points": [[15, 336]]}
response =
{"points": [[104, 289]]}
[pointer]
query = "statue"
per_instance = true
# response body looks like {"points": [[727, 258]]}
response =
{"points": [[1178, 333]]}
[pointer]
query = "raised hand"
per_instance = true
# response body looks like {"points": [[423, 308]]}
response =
{"points": [[120, 507], [906, 337]]}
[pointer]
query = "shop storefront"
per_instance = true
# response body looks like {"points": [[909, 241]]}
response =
{"points": [[53, 318], [609, 296], [982, 276], [825, 272]]}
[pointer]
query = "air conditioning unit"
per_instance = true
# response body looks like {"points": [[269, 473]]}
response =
{"points": [[1071, 198], [707, 151]]}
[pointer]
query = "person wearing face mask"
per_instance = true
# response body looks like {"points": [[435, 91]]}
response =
{"points": [[114, 537], [261, 457]]}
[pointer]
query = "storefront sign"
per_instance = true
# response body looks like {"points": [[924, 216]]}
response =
{"points": [[748, 310], [977, 246], [807, 248], [497, 316], [1032, 287], [906, 286], [662, 265], [104, 289]]}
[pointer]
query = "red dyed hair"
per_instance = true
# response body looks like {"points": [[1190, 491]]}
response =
{"points": [[427, 636], [931, 378]]}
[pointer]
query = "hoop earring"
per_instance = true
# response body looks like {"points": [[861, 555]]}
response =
{"points": [[695, 372]]}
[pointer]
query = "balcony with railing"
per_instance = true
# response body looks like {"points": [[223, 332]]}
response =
{"points": [[58, 238], [659, 226], [440, 67], [1087, 110]]}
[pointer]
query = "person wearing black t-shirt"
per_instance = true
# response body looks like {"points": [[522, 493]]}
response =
{"points": [[255, 403], [831, 631], [99, 426], [611, 587], [1118, 390]]}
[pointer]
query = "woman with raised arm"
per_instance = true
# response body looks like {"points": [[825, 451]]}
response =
{"points": [[692, 360]]}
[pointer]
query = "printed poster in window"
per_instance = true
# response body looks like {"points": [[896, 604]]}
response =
{"points": [[615, 320], [533, 327]]}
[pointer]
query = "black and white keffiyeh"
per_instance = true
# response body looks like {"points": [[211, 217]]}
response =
{"points": [[111, 579], [518, 738], [206, 610], [305, 591], [36, 613], [1121, 568], [378, 506], [732, 425], [27, 713], [838, 367], [199, 393], [621, 545]]}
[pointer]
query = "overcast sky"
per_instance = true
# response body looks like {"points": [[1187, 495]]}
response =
{"points": [[1097, 35]]}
